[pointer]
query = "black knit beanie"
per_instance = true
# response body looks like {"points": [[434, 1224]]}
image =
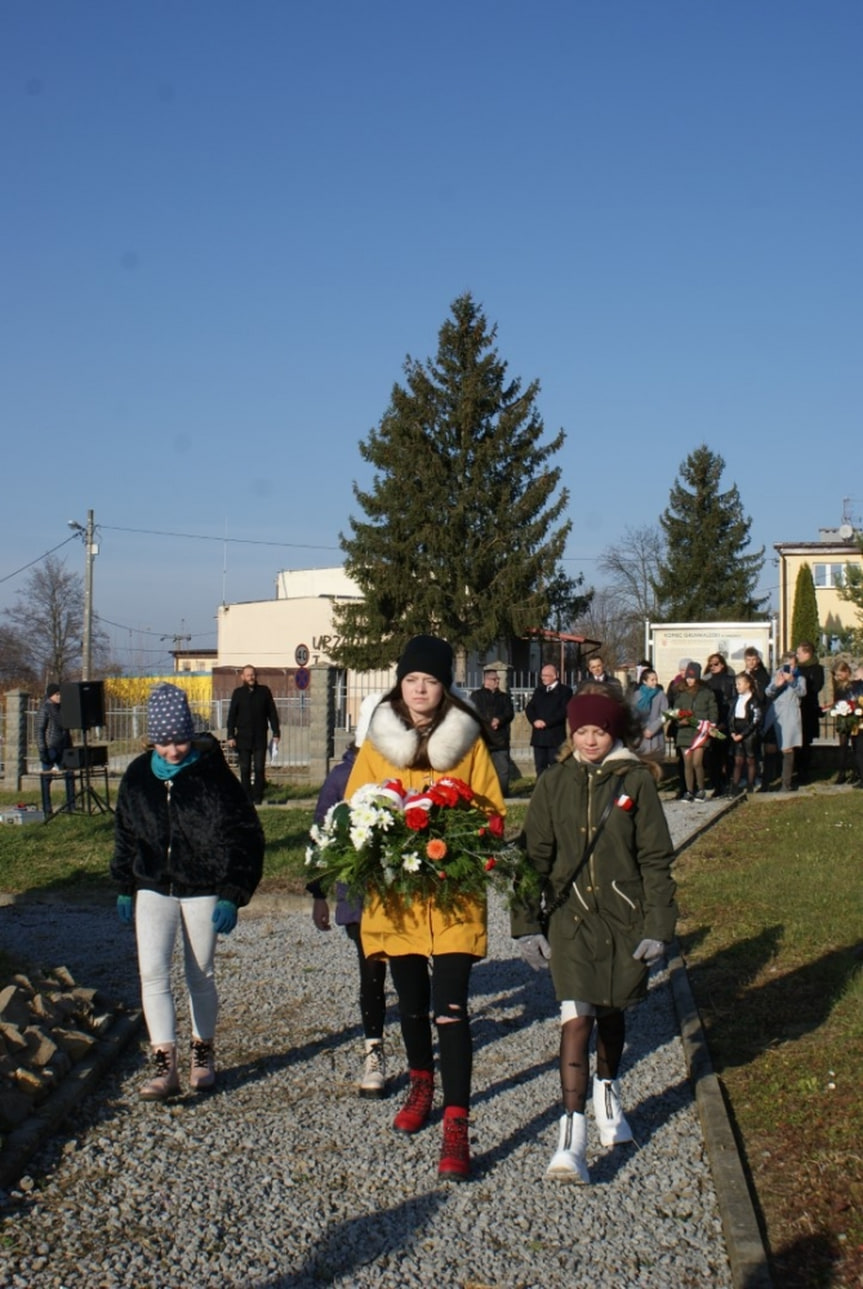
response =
{"points": [[429, 655]]}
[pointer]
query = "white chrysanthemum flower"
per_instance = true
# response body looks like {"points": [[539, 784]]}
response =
{"points": [[411, 862], [360, 837], [842, 708], [310, 855]]}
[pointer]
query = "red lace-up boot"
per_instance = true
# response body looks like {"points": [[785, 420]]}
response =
{"points": [[417, 1107], [455, 1151]]}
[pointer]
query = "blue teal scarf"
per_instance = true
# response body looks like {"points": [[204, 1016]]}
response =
{"points": [[645, 697], [164, 770]]}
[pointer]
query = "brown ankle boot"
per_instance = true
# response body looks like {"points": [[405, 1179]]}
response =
{"points": [[203, 1072], [165, 1081], [455, 1150], [417, 1108]]}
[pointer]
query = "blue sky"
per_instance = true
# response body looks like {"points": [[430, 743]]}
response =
{"points": [[227, 224]]}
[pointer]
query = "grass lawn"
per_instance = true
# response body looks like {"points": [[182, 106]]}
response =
{"points": [[771, 903]]}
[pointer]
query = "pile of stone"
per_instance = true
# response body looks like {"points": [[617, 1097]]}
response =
{"points": [[48, 1025]]}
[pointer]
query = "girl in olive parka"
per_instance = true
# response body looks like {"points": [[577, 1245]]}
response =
{"points": [[609, 916]]}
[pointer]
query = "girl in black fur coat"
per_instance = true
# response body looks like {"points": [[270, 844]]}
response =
{"points": [[188, 853]]}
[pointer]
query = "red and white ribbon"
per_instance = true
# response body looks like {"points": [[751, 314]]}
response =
{"points": [[702, 734]]}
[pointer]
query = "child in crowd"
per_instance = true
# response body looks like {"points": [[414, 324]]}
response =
{"points": [[649, 702], [745, 732], [844, 689], [596, 833], [699, 701]]}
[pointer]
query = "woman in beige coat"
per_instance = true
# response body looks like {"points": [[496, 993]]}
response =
{"points": [[421, 730]]}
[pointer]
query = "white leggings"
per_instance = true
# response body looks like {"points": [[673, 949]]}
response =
{"points": [[157, 919]]}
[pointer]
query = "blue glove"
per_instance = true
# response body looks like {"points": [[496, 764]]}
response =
{"points": [[535, 950], [651, 951], [225, 917], [124, 909]]}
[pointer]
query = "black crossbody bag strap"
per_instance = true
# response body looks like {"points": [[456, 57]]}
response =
{"points": [[547, 911]]}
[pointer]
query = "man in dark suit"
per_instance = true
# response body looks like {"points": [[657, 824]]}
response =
{"points": [[546, 712], [497, 711], [251, 712]]}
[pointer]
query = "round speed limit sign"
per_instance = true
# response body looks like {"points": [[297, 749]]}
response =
{"points": [[301, 655]]}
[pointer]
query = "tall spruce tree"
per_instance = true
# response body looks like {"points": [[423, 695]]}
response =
{"points": [[461, 535], [804, 615], [705, 575]]}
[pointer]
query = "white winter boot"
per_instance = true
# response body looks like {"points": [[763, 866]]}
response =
{"points": [[613, 1128], [373, 1081], [569, 1162]]}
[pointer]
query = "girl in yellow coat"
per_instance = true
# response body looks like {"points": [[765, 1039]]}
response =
{"points": [[420, 731]]}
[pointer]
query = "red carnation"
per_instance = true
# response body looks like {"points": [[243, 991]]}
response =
{"points": [[462, 788], [496, 825], [416, 819], [489, 864]]}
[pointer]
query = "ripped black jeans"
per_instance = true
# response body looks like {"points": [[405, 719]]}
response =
{"points": [[447, 986]]}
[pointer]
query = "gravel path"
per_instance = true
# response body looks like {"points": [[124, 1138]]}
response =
{"points": [[285, 1178]]}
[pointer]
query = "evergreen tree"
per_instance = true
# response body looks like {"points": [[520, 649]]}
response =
{"points": [[705, 575], [804, 617], [461, 535], [851, 590]]}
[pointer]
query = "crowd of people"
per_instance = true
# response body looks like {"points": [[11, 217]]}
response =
{"points": [[746, 731], [189, 853]]}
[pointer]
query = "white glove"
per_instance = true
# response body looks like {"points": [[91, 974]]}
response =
{"points": [[535, 950], [651, 951]]}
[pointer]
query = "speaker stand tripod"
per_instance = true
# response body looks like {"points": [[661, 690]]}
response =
{"points": [[91, 802]]}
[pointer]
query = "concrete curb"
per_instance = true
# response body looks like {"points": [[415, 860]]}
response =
{"points": [[750, 1268], [746, 1251], [21, 1144]]}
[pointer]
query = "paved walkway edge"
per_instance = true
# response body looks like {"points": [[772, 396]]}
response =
{"points": [[21, 1144], [746, 1252]]}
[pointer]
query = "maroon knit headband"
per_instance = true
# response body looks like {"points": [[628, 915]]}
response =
{"points": [[596, 709]]}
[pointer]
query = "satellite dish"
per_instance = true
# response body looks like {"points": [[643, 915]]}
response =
{"points": [[846, 532]]}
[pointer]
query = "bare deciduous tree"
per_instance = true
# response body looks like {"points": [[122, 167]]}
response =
{"points": [[48, 619], [630, 565]]}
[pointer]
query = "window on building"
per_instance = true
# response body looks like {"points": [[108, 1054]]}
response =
{"points": [[828, 574]]}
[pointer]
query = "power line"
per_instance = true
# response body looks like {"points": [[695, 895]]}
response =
{"points": [[38, 559], [205, 537]]}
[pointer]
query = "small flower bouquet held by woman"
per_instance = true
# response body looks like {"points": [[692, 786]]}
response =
{"points": [[847, 715], [683, 716], [389, 841]]}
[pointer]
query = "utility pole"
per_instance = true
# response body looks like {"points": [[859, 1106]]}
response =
{"points": [[91, 550]]}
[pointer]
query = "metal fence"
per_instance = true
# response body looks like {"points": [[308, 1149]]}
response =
{"points": [[125, 731]]}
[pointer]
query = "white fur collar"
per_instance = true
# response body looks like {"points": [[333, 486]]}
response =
{"points": [[399, 743]]}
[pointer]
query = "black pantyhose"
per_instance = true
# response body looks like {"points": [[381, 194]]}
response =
{"points": [[575, 1059]]}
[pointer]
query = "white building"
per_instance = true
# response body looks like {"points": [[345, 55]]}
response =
{"points": [[294, 629]]}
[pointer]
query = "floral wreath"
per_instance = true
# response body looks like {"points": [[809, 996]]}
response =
{"points": [[433, 843]]}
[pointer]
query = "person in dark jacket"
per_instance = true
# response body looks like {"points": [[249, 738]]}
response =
{"points": [[610, 910], [373, 971], [810, 707], [252, 710], [497, 711], [697, 713], [546, 711], [52, 740], [188, 853], [719, 677]]}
